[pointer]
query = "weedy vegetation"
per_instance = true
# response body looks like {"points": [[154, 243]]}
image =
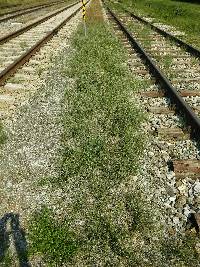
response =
{"points": [[23, 45], [53, 240], [6, 261], [106, 220]]}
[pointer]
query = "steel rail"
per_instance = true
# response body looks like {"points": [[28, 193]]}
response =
{"points": [[182, 107], [26, 8], [189, 48], [12, 35], [30, 10], [11, 69]]}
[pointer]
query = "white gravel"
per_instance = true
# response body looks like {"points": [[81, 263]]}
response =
{"points": [[33, 150], [156, 102]]}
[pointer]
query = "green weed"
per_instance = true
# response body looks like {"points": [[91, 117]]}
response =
{"points": [[101, 122], [23, 44], [181, 251], [167, 61], [3, 136], [53, 240], [6, 261]]}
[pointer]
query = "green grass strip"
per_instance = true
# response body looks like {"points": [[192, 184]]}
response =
{"points": [[101, 122]]}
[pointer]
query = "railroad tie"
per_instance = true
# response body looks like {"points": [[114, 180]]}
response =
{"points": [[186, 168]]}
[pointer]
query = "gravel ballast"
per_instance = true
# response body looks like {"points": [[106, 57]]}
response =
{"points": [[32, 151]]}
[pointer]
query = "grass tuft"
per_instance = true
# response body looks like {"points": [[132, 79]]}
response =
{"points": [[3, 136], [53, 240]]}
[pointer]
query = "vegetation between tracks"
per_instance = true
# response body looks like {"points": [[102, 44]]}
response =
{"points": [[102, 145], [107, 221], [183, 15]]}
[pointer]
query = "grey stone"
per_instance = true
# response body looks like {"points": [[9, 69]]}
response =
{"points": [[170, 190], [150, 153], [186, 210], [176, 220], [172, 199], [197, 187], [178, 183], [180, 201]]}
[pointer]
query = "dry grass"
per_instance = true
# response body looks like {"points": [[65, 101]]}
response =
{"points": [[94, 12]]}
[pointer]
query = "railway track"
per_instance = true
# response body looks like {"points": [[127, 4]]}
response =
{"points": [[189, 48], [169, 77], [7, 34], [18, 47], [25, 64], [14, 14]]}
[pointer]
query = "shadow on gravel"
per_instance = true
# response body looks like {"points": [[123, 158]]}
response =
{"points": [[10, 228]]}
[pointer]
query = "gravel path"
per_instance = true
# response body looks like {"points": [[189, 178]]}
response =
{"points": [[34, 132]]}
